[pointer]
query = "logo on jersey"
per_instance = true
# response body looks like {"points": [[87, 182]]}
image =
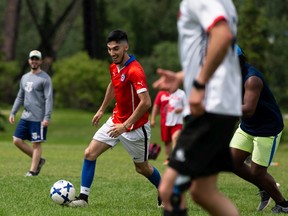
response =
{"points": [[123, 77], [140, 83], [28, 86]]}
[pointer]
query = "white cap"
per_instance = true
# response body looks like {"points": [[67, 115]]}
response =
{"points": [[35, 53]]}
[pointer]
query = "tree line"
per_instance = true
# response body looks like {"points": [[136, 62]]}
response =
{"points": [[71, 35]]}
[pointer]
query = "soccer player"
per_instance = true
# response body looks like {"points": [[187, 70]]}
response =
{"points": [[36, 95], [129, 122], [212, 82], [171, 107], [258, 134]]}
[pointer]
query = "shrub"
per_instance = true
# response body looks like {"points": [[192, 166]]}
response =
{"points": [[80, 82]]}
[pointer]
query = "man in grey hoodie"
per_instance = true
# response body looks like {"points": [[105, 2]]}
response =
{"points": [[36, 95]]}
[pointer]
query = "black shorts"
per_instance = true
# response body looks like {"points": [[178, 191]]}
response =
{"points": [[202, 148]]}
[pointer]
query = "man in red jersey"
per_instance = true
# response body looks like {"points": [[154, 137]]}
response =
{"points": [[129, 123]]}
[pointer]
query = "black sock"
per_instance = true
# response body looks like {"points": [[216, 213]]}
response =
{"points": [[283, 204], [180, 212]]}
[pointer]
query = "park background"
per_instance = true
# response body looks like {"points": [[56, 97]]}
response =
{"points": [[71, 36]]}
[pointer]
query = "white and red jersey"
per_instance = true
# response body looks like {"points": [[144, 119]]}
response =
{"points": [[196, 19], [177, 100], [161, 100], [128, 82]]}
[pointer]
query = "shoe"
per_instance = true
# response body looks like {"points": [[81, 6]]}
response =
{"points": [[265, 199], [159, 202], [279, 209], [30, 173], [78, 203], [40, 165]]}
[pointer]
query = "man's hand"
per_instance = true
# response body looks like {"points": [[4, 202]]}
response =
{"points": [[169, 80]]}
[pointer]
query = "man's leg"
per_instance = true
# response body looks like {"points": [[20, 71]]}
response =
{"points": [[37, 152], [92, 152], [23, 146], [205, 193]]}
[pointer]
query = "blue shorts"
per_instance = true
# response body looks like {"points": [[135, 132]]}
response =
{"points": [[29, 130]]}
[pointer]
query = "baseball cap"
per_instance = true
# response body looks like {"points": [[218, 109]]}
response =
{"points": [[35, 53]]}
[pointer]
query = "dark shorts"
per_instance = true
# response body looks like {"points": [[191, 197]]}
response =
{"points": [[29, 130], [202, 148]]}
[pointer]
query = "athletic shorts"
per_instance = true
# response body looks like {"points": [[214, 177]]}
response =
{"points": [[136, 142], [202, 148], [29, 130], [262, 148], [168, 131]]}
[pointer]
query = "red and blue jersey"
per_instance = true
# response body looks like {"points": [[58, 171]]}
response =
{"points": [[128, 82]]}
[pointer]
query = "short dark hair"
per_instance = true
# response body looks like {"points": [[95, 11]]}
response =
{"points": [[117, 36]]}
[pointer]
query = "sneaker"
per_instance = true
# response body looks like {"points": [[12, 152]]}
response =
{"points": [[41, 163], [159, 202], [265, 199], [30, 173], [279, 209], [78, 203]]}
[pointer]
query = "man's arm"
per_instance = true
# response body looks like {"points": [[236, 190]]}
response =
{"points": [[220, 39], [253, 87], [154, 112], [48, 94], [109, 95], [143, 106]]}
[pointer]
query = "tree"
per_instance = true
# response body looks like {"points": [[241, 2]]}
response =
{"points": [[94, 23], [10, 33], [52, 34]]}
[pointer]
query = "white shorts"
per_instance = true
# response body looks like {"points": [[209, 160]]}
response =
{"points": [[135, 142]]}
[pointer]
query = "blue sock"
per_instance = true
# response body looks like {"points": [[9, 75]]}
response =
{"points": [[88, 171], [155, 178]]}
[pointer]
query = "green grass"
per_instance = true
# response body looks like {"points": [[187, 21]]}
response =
{"points": [[117, 189]]}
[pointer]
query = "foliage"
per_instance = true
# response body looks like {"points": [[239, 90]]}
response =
{"points": [[164, 55], [262, 33], [9, 72], [80, 82]]}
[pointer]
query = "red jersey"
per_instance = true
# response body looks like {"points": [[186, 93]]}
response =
{"points": [[128, 82], [162, 100]]}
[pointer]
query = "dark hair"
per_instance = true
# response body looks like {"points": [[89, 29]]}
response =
{"points": [[117, 36]]}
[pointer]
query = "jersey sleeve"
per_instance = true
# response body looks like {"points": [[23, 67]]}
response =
{"points": [[138, 79], [209, 13]]}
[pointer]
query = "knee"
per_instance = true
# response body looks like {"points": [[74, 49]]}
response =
{"points": [[198, 197], [145, 170], [90, 155], [17, 141], [140, 170]]}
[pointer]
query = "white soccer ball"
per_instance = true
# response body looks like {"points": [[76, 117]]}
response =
{"points": [[62, 192]]}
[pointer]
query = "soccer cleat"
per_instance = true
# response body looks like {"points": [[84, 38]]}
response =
{"points": [[279, 209], [78, 203], [30, 173], [40, 165], [159, 202], [265, 199]]}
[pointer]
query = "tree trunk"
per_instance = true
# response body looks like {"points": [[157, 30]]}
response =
{"points": [[10, 33]]}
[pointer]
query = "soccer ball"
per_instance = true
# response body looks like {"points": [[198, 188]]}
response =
{"points": [[62, 192]]}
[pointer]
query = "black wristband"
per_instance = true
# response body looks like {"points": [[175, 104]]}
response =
{"points": [[198, 85]]}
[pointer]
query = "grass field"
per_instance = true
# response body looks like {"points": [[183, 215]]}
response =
{"points": [[117, 189]]}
